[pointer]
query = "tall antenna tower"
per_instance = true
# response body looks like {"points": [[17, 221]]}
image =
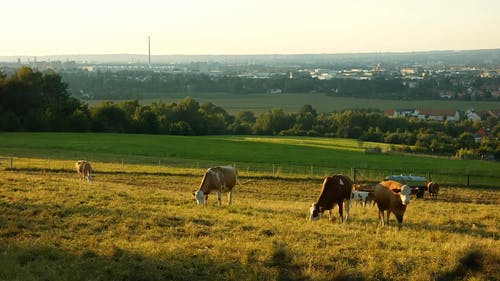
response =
{"points": [[149, 51]]}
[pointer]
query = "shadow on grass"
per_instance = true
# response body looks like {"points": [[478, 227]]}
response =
{"points": [[474, 262], [49, 263], [24, 222]]}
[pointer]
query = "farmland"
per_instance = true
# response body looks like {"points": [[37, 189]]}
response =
{"points": [[258, 103], [138, 220], [287, 155], [140, 226]]}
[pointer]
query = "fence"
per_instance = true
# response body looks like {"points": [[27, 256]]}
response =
{"points": [[175, 166]]}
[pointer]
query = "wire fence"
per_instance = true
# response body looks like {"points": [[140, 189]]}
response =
{"points": [[175, 166]]}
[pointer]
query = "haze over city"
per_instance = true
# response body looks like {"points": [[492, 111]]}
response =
{"points": [[58, 27]]}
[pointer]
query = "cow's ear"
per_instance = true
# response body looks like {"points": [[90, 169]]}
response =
{"points": [[194, 195]]}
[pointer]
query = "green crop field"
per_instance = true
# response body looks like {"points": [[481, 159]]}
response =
{"points": [[285, 156], [293, 102]]}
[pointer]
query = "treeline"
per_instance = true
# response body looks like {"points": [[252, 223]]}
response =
{"points": [[32, 101], [126, 84]]}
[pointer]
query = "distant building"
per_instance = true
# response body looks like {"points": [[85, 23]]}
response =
{"points": [[439, 115], [425, 114], [471, 115], [275, 91]]}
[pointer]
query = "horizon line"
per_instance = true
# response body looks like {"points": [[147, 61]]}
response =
{"points": [[259, 54]]}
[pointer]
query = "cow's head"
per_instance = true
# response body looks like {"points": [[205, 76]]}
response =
{"points": [[405, 194], [89, 177], [314, 212], [200, 197]]}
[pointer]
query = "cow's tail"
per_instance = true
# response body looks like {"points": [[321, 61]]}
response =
{"points": [[243, 182]]}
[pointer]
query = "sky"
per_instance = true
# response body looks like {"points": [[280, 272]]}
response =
{"points": [[232, 27]]}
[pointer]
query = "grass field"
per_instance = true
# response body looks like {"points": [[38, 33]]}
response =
{"points": [[140, 226], [138, 220], [285, 156], [258, 103]]}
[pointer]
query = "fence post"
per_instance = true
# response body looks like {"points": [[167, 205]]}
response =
{"points": [[353, 174], [10, 163], [312, 171], [273, 170], [468, 180]]}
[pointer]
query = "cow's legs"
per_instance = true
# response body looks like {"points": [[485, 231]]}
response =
{"points": [[341, 211], [219, 197], [229, 198], [347, 206], [381, 217]]}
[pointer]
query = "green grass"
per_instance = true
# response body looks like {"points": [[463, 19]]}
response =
{"points": [[142, 226], [251, 154], [258, 103]]}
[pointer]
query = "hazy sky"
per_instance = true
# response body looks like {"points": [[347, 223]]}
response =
{"points": [[49, 27]]}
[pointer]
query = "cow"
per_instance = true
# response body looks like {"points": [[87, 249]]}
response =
{"points": [[433, 188], [220, 179], [393, 197], [335, 190], [367, 187], [84, 170], [360, 196]]}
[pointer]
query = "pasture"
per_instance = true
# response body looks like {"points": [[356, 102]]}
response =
{"points": [[258, 103], [138, 220], [314, 157], [146, 226]]}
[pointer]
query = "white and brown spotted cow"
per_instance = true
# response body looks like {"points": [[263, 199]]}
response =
{"points": [[221, 179], [335, 190], [84, 170]]}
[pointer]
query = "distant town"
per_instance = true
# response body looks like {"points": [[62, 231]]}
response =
{"points": [[38, 94], [462, 75]]}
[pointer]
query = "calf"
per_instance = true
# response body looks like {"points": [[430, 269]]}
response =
{"points": [[360, 196], [84, 170], [335, 190], [391, 197], [433, 188]]}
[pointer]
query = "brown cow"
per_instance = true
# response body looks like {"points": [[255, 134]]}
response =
{"points": [[84, 170], [335, 190], [393, 197], [220, 179], [433, 188]]}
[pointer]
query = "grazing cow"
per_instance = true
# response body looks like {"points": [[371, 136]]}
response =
{"points": [[219, 179], [335, 190], [84, 170], [393, 197], [433, 188], [360, 196]]}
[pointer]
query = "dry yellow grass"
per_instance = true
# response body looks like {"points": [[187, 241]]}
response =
{"points": [[143, 226]]}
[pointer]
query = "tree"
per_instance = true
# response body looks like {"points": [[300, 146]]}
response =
{"points": [[108, 117]]}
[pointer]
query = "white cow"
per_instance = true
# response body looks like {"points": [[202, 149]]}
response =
{"points": [[360, 196], [220, 179]]}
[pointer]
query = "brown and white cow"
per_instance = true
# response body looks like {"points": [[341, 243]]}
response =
{"points": [[84, 170], [335, 190], [219, 179], [393, 197], [433, 189]]}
